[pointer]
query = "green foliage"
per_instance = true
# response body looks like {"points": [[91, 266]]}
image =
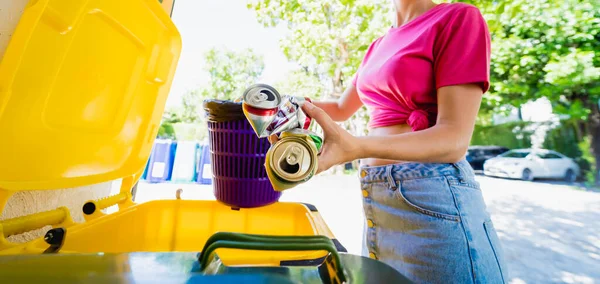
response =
{"points": [[511, 135], [172, 115], [191, 103], [230, 72], [564, 140], [545, 48], [548, 48], [302, 83], [590, 171], [183, 131], [541, 48], [191, 131], [166, 131], [326, 37]]}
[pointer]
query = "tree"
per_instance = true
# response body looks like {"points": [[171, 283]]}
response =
{"points": [[540, 48], [230, 73], [191, 106], [327, 38], [172, 115], [548, 48], [303, 84]]}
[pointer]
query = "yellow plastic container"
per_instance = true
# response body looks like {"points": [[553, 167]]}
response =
{"points": [[83, 86], [185, 225]]}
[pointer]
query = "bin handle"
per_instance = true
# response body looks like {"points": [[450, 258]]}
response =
{"points": [[239, 237], [333, 266], [275, 243]]}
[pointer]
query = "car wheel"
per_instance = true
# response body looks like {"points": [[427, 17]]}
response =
{"points": [[570, 175], [527, 175]]}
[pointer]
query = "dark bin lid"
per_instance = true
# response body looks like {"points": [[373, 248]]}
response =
{"points": [[223, 111]]}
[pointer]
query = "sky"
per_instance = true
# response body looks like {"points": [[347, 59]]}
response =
{"points": [[204, 24]]}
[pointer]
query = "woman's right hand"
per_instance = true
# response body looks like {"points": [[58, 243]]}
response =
{"points": [[339, 146]]}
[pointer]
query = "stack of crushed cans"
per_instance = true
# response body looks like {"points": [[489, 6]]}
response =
{"points": [[293, 159]]}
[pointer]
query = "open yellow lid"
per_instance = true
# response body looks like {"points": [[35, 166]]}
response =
{"points": [[83, 85]]}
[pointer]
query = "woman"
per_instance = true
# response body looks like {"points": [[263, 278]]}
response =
{"points": [[422, 82]]}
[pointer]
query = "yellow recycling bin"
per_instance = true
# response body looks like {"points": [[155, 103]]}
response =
{"points": [[83, 86], [185, 225]]}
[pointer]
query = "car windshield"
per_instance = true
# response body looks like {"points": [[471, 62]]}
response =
{"points": [[516, 154]]}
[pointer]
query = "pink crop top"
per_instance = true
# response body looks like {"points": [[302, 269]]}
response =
{"points": [[402, 70]]}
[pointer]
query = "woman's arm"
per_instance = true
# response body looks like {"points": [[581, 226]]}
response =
{"points": [[445, 142], [343, 108], [338, 110]]}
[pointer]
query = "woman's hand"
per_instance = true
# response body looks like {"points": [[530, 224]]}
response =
{"points": [[339, 146]]}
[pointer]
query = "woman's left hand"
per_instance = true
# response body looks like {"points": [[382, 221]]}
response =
{"points": [[339, 146]]}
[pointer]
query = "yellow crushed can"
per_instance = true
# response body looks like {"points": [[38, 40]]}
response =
{"points": [[293, 159]]}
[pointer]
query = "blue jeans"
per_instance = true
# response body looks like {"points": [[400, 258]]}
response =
{"points": [[429, 221]]}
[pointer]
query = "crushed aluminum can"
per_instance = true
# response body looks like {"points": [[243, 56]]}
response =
{"points": [[293, 159], [269, 113], [262, 96]]}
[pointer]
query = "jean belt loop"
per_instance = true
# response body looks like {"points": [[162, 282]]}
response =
{"points": [[461, 171], [390, 177]]}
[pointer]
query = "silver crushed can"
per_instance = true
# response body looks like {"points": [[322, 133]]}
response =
{"points": [[270, 113]]}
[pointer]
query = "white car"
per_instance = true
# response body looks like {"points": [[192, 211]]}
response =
{"points": [[528, 164]]}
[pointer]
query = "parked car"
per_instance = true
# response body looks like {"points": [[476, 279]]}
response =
{"points": [[477, 155], [529, 164]]}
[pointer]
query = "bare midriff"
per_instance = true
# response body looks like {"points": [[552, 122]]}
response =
{"points": [[380, 131]]}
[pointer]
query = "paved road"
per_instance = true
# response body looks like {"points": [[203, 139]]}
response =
{"points": [[550, 232]]}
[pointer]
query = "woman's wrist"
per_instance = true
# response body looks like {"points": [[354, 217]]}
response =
{"points": [[361, 149], [329, 107]]}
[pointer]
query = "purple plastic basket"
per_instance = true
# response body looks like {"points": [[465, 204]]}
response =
{"points": [[238, 159]]}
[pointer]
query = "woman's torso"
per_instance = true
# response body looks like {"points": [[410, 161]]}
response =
{"points": [[399, 76], [385, 130], [393, 99]]}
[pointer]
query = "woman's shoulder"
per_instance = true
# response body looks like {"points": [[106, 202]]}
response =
{"points": [[458, 6], [374, 44], [461, 10]]}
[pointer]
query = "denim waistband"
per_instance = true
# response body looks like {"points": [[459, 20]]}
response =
{"points": [[406, 171]]}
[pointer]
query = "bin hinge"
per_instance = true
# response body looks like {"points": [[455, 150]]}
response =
{"points": [[55, 238], [91, 209]]}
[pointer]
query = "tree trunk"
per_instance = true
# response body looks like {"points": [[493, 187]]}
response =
{"points": [[577, 128], [583, 128], [342, 60], [594, 131]]}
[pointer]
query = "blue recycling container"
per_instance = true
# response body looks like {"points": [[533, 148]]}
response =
{"points": [[184, 165], [204, 170], [161, 161], [145, 174]]}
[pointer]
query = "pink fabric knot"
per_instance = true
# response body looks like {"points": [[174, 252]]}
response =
{"points": [[418, 120]]}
